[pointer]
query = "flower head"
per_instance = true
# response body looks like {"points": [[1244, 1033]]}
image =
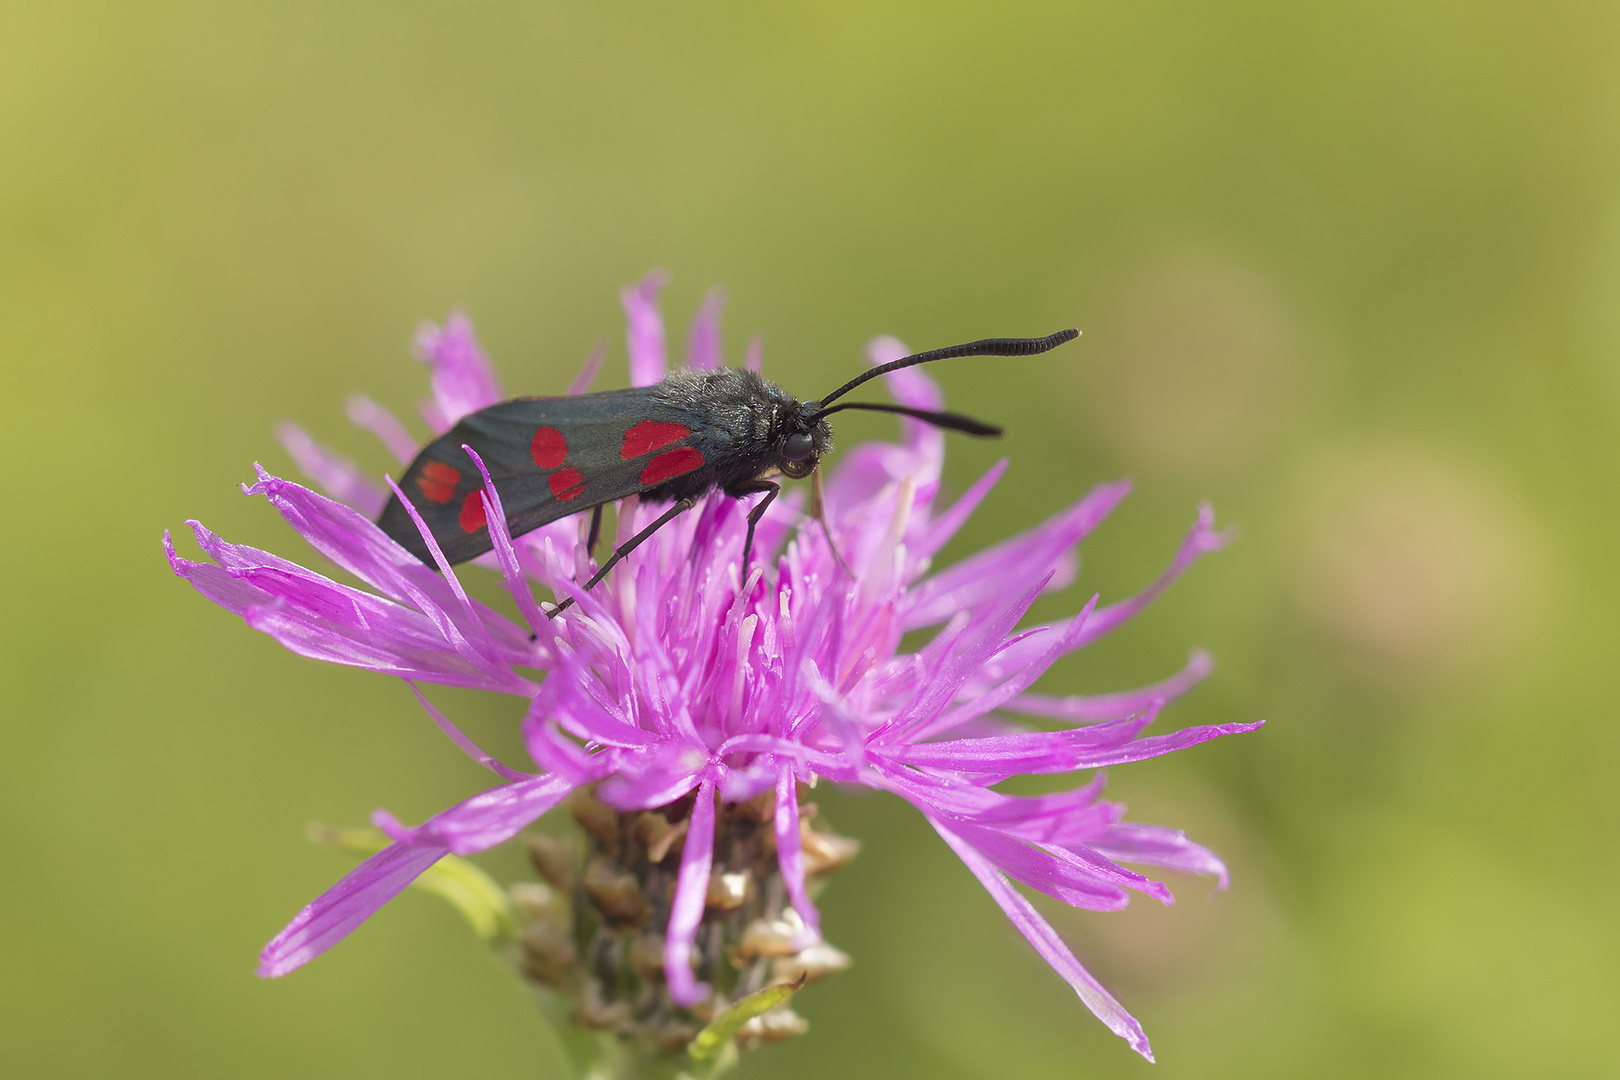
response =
{"points": [[678, 687]]}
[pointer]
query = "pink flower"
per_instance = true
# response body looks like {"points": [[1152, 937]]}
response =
{"points": [[673, 677]]}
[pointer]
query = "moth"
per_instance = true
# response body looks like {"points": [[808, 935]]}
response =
{"points": [[729, 430]]}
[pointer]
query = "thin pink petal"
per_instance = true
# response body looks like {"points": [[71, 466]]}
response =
{"points": [[789, 855], [336, 913], [587, 374], [382, 423], [664, 776], [486, 819], [686, 911], [1201, 540], [324, 620], [1158, 745], [999, 569], [1024, 752], [1043, 870], [1091, 708], [938, 691], [1051, 948], [477, 626], [1157, 846], [945, 526], [996, 698], [912, 386], [556, 754], [1095, 747], [462, 741], [356, 544], [646, 331], [703, 344], [462, 378], [337, 475], [505, 555]]}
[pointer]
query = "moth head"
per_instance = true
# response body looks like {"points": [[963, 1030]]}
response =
{"points": [[799, 449]]}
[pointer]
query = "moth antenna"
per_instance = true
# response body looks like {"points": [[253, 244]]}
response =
{"points": [[951, 421], [982, 347]]}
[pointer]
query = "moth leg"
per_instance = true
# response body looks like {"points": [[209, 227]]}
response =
{"points": [[596, 532], [626, 548], [818, 510], [753, 487]]}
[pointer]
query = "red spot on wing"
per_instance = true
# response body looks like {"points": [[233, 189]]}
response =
{"points": [[566, 484], [649, 435], [437, 481], [472, 511], [669, 465], [548, 448]]}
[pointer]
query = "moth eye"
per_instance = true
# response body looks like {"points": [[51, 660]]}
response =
{"points": [[797, 447]]}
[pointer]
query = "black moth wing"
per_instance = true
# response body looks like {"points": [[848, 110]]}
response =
{"points": [[549, 457]]}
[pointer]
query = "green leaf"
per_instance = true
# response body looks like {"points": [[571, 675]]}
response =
{"points": [[715, 1067], [479, 898], [718, 1034]]}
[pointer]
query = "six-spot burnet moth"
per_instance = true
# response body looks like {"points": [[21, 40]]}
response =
{"points": [[675, 441]]}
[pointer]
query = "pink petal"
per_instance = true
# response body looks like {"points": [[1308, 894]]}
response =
{"points": [[462, 378], [663, 776], [1094, 707], [1094, 747], [1156, 846], [646, 330], [1043, 870], [945, 526], [1007, 566], [937, 691], [461, 739], [1027, 752], [988, 700], [356, 544], [575, 698], [339, 476], [385, 425], [789, 855], [912, 386], [505, 555], [703, 345], [486, 819], [319, 618], [469, 632], [587, 374], [558, 755], [1051, 948], [691, 891], [1200, 541], [335, 914]]}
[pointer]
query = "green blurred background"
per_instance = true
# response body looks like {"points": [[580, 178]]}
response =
{"points": [[1349, 271]]}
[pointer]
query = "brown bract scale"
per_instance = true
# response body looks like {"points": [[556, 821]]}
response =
{"points": [[591, 929]]}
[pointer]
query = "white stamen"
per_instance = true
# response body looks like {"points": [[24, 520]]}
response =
{"points": [[881, 565], [745, 640]]}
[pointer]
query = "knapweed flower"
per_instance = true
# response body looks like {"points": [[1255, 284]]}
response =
{"points": [[683, 707]]}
